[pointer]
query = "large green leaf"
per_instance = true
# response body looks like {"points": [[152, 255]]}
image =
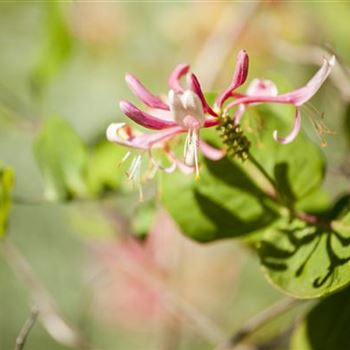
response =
{"points": [[224, 202], [298, 168], [307, 261], [326, 326], [62, 158], [6, 184]]}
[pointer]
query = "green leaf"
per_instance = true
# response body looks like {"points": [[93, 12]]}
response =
{"points": [[326, 326], [56, 45], [103, 172], [223, 203], [298, 168], [62, 158], [307, 261], [6, 184]]}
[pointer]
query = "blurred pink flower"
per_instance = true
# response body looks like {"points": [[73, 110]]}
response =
{"points": [[142, 284]]}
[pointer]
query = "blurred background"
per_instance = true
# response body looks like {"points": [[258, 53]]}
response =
{"points": [[68, 60]]}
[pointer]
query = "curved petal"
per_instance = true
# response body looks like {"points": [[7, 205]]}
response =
{"points": [[176, 75], [196, 87], [144, 119], [296, 97], [211, 152], [262, 87], [143, 94], [239, 114], [293, 134], [179, 163], [115, 134], [300, 96], [239, 76], [168, 169]]}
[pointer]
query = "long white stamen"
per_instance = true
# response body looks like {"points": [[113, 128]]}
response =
{"points": [[138, 181], [135, 166], [152, 171], [187, 142], [126, 156], [191, 150]]}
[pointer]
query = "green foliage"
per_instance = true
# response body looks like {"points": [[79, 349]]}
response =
{"points": [[103, 171], [298, 168], [70, 169], [304, 260], [326, 326], [224, 202], [62, 158], [56, 46], [6, 184]]}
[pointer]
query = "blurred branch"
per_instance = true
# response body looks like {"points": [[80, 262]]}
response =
{"points": [[49, 315], [258, 321], [25, 330], [219, 44], [309, 54]]}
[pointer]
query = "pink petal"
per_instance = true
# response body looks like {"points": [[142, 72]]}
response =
{"points": [[176, 75], [296, 97], [143, 94], [141, 141], [239, 114], [262, 87], [239, 76], [196, 87], [185, 169], [293, 134], [209, 122], [211, 152], [169, 169], [300, 96], [144, 119]]}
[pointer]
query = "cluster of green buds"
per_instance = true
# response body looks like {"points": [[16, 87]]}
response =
{"points": [[237, 144]]}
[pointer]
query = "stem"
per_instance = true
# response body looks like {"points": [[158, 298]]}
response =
{"points": [[258, 321], [25, 330], [266, 175], [276, 197], [55, 324]]}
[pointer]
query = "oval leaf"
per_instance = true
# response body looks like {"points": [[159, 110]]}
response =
{"points": [[62, 158], [307, 261], [326, 326]]}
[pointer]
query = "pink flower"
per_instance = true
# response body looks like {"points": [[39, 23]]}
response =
{"points": [[260, 91], [187, 111]]}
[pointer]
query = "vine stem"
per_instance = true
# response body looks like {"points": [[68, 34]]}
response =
{"points": [[259, 321], [27, 327], [266, 175]]}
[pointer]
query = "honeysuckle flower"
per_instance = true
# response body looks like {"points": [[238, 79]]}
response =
{"points": [[185, 111], [265, 91]]}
